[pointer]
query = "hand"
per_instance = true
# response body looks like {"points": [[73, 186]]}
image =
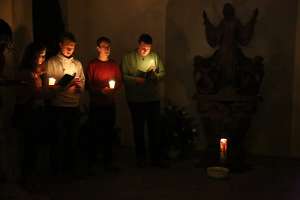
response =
{"points": [[204, 16], [53, 90], [139, 80], [255, 14], [74, 88], [152, 68], [107, 91], [77, 81], [151, 76], [75, 85], [54, 87]]}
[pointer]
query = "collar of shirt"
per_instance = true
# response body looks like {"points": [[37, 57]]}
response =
{"points": [[65, 59], [68, 65]]}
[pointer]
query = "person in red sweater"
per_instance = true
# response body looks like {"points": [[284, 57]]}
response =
{"points": [[103, 82]]}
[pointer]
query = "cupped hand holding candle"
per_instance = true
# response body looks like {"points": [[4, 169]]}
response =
{"points": [[152, 68], [111, 84], [51, 81]]}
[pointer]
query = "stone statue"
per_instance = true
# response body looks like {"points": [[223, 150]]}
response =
{"points": [[228, 61], [228, 85]]}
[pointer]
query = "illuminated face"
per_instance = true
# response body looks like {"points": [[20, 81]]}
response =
{"points": [[104, 49], [67, 48], [144, 49], [40, 59]]}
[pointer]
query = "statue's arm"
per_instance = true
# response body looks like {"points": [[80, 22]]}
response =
{"points": [[211, 31], [246, 31]]}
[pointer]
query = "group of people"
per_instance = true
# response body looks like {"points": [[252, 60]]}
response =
{"points": [[47, 108]]}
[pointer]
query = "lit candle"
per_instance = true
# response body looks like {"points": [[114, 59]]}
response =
{"points": [[112, 84], [52, 81], [223, 149]]}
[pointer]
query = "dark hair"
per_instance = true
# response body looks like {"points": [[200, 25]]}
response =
{"points": [[67, 36], [146, 38], [103, 39], [30, 54], [228, 10], [5, 30], [5, 34]]}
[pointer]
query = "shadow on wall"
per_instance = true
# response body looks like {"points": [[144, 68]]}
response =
{"points": [[21, 35], [8, 137], [21, 40], [179, 84], [176, 63]]}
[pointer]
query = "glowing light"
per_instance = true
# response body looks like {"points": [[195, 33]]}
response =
{"points": [[223, 149], [52, 81], [112, 84]]}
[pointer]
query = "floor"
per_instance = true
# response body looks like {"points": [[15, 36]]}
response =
{"points": [[269, 178]]}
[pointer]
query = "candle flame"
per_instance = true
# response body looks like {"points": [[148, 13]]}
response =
{"points": [[52, 81], [223, 149], [112, 84]]}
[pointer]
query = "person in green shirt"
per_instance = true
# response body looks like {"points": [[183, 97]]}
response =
{"points": [[142, 71]]}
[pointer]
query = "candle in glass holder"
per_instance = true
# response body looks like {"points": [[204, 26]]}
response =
{"points": [[112, 84], [223, 149], [52, 81]]}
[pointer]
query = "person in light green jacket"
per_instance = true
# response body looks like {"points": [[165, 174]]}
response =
{"points": [[142, 71]]}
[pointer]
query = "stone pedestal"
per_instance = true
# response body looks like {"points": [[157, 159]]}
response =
{"points": [[226, 115]]}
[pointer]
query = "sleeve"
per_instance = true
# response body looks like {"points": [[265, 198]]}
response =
{"points": [[48, 92], [38, 87], [47, 73], [161, 69], [89, 80], [88, 77], [81, 75], [119, 79], [49, 68], [128, 78]]}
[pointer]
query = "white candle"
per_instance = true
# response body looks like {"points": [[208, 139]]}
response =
{"points": [[223, 149], [112, 84], [52, 81]]}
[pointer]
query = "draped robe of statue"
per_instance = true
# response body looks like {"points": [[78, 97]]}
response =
{"points": [[227, 37]]}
